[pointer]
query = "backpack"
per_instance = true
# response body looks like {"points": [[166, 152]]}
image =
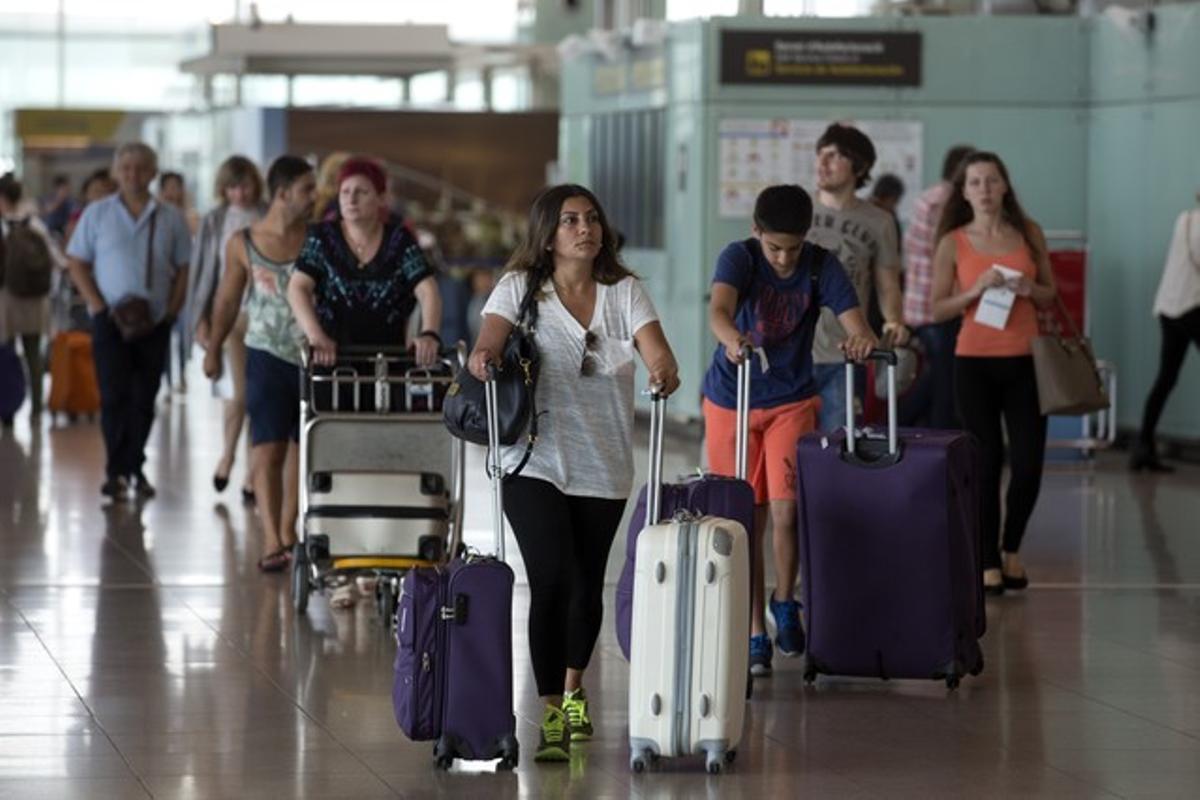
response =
{"points": [[27, 267]]}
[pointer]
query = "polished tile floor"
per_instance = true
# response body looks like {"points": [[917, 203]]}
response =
{"points": [[141, 655]]}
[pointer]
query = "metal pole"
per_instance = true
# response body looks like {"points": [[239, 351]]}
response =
{"points": [[495, 464], [654, 478], [850, 407]]}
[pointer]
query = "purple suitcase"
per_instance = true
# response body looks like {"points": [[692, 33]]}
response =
{"points": [[12, 381], [454, 674], [889, 551], [454, 660], [718, 495]]}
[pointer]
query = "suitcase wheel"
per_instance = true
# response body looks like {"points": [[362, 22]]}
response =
{"points": [[300, 587], [714, 764], [510, 754], [730, 756], [640, 760], [810, 676], [952, 682], [444, 762], [385, 602]]}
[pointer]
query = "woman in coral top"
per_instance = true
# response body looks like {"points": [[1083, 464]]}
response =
{"points": [[986, 241]]}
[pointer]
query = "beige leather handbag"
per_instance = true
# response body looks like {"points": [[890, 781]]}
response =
{"points": [[1069, 383]]}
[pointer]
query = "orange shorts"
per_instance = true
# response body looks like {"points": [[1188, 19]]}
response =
{"points": [[771, 461]]}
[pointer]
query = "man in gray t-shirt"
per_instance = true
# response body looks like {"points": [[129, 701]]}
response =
{"points": [[863, 238]]}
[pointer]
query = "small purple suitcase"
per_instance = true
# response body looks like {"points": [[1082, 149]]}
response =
{"points": [[454, 660], [889, 551], [715, 495], [454, 654]]}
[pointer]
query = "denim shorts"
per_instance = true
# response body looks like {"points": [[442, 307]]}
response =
{"points": [[272, 398]]}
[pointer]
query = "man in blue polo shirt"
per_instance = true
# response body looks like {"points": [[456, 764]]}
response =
{"points": [[128, 258]]}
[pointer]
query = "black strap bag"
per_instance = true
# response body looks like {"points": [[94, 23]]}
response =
{"points": [[132, 313], [465, 408]]}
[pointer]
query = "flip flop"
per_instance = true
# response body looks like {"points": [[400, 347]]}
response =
{"points": [[276, 561]]}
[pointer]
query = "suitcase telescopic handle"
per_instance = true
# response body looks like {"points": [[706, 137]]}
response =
{"points": [[658, 411], [494, 460], [742, 441], [889, 358]]}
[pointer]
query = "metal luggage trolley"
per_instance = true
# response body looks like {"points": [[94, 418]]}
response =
{"points": [[381, 479]]}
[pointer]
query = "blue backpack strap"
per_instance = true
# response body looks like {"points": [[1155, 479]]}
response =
{"points": [[817, 256]]}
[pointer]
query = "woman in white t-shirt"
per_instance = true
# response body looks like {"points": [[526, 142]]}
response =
{"points": [[1177, 306], [593, 314]]}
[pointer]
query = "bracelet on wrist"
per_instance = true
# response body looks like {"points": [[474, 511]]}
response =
{"points": [[434, 334]]}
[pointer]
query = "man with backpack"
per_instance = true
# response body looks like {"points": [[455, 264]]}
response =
{"points": [[28, 258], [767, 292]]}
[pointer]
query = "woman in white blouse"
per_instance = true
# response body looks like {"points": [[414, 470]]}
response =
{"points": [[1177, 306], [238, 190], [593, 315]]}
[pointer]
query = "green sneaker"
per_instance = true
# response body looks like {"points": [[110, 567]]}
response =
{"points": [[554, 745], [575, 707]]}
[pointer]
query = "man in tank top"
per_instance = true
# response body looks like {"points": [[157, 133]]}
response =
{"points": [[261, 258]]}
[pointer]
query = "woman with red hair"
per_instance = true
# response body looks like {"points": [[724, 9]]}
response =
{"points": [[360, 275]]}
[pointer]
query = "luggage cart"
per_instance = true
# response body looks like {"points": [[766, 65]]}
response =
{"points": [[381, 479]]}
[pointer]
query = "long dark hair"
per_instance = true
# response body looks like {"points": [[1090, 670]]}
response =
{"points": [[958, 211], [532, 255]]}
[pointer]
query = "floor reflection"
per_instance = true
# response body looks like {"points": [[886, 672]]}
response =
{"points": [[143, 655]]}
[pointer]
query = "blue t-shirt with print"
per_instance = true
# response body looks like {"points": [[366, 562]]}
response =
{"points": [[771, 314]]}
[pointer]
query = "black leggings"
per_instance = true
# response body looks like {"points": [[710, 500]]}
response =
{"points": [[989, 390], [31, 347], [1177, 333], [564, 541]]}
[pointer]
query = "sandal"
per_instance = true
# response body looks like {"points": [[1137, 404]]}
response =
{"points": [[276, 561], [344, 596]]}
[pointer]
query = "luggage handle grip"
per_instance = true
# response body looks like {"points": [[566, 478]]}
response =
{"points": [[890, 359]]}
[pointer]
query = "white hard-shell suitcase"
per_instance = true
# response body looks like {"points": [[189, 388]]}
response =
{"points": [[691, 622], [389, 514]]}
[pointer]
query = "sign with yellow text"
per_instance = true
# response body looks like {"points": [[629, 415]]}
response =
{"points": [[823, 58]]}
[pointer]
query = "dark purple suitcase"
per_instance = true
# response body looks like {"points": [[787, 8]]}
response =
{"points": [[889, 552], [12, 381], [454, 660], [710, 494], [454, 654]]}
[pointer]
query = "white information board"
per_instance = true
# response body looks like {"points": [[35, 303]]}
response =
{"points": [[756, 153]]}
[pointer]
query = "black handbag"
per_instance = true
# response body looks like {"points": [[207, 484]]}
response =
{"points": [[464, 410]]}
